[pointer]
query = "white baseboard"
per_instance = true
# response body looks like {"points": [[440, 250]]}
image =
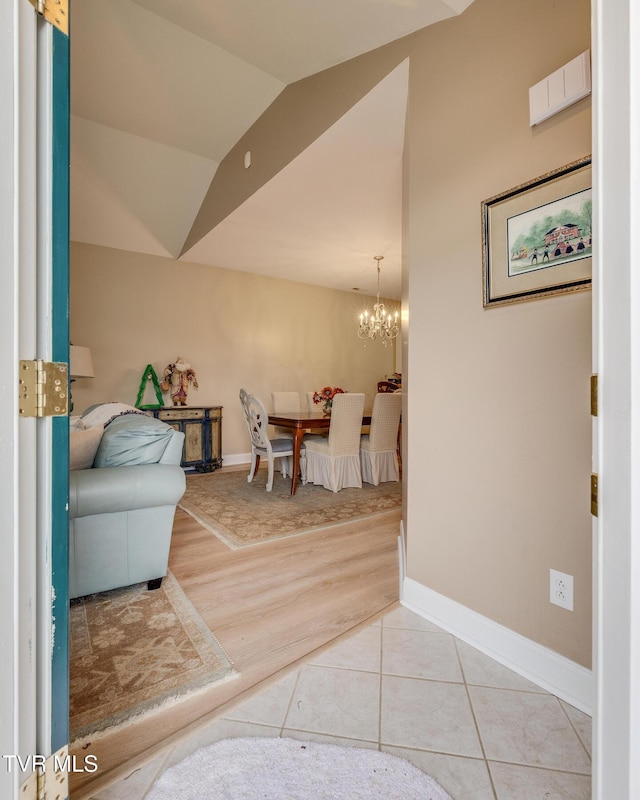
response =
{"points": [[236, 458], [242, 458], [544, 667]]}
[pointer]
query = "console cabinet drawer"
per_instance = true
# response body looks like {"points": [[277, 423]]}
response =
{"points": [[167, 414]]}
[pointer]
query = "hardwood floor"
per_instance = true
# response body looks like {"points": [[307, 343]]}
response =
{"points": [[269, 606]]}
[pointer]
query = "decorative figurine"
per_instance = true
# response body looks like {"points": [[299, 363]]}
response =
{"points": [[177, 378]]}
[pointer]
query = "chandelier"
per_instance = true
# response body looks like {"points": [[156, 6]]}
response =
{"points": [[381, 322]]}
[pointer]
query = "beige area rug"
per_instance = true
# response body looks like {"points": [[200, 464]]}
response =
{"points": [[242, 514], [133, 651]]}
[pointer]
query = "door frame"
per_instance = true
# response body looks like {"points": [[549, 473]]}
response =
{"points": [[18, 580], [54, 340], [33, 324], [616, 360]]}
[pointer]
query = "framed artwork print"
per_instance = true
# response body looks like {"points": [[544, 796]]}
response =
{"points": [[537, 237]]}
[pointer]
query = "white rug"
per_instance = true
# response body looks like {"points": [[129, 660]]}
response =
{"points": [[288, 769]]}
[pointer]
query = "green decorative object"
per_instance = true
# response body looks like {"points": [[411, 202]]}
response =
{"points": [[149, 375]]}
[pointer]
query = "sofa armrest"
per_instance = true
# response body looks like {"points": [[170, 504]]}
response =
{"points": [[112, 489]]}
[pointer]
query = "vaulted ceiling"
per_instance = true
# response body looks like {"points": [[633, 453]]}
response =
{"points": [[161, 91]]}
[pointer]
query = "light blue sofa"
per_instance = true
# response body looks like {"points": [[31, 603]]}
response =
{"points": [[121, 510]]}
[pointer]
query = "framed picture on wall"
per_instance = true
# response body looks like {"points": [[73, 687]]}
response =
{"points": [[537, 237]]}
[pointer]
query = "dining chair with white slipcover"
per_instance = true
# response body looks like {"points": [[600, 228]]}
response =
{"points": [[256, 417], [334, 462], [379, 448], [284, 402], [315, 407]]}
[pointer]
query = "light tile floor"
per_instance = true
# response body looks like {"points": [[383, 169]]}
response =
{"points": [[405, 686]]}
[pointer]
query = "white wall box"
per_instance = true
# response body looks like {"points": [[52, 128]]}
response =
{"points": [[561, 89]]}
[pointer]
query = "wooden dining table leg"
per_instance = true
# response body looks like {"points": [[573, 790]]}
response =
{"points": [[298, 433]]}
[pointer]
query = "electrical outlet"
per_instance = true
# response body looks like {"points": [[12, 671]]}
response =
{"points": [[561, 589]]}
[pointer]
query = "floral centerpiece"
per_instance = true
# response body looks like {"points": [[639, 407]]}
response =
{"points": [[325, 396]]}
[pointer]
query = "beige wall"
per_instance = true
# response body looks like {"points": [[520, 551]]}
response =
{"points": [[498, 457], [235, 329]]}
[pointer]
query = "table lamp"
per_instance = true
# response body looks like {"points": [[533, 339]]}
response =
{"points": [[80, 362]]}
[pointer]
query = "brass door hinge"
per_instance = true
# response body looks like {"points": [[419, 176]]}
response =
{"points": [[594, 395], [55, 12], [49, 781], [43, 389], [594, 494]]}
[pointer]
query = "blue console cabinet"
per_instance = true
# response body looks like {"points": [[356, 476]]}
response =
{"points": [[202, 428]]}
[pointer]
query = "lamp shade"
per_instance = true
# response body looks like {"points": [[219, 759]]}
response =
{"points": [[80, 362]]}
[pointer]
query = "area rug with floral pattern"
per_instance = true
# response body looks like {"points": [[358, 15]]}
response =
{"points": [[242, 514], [133, 651]]}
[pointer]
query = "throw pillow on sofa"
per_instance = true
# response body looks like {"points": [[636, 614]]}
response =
{"points": [[132, 439], [103, 413], [83, 446]]}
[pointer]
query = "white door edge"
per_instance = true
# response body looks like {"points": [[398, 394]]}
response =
{"points": [[17, 436], [616, 107]]}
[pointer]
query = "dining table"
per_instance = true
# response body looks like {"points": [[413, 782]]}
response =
{"points": [[299, 423]]}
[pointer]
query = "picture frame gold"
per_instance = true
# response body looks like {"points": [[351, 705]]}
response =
{"points": [[537, 238]]}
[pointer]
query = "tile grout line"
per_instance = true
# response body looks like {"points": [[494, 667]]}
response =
{"points": [[293, 693], [539, 768], [575, 730], [475, 721]]}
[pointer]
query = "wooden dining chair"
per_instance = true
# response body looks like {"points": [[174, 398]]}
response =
{"points": [[334, 462], [256, 417], [379, 448]]}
